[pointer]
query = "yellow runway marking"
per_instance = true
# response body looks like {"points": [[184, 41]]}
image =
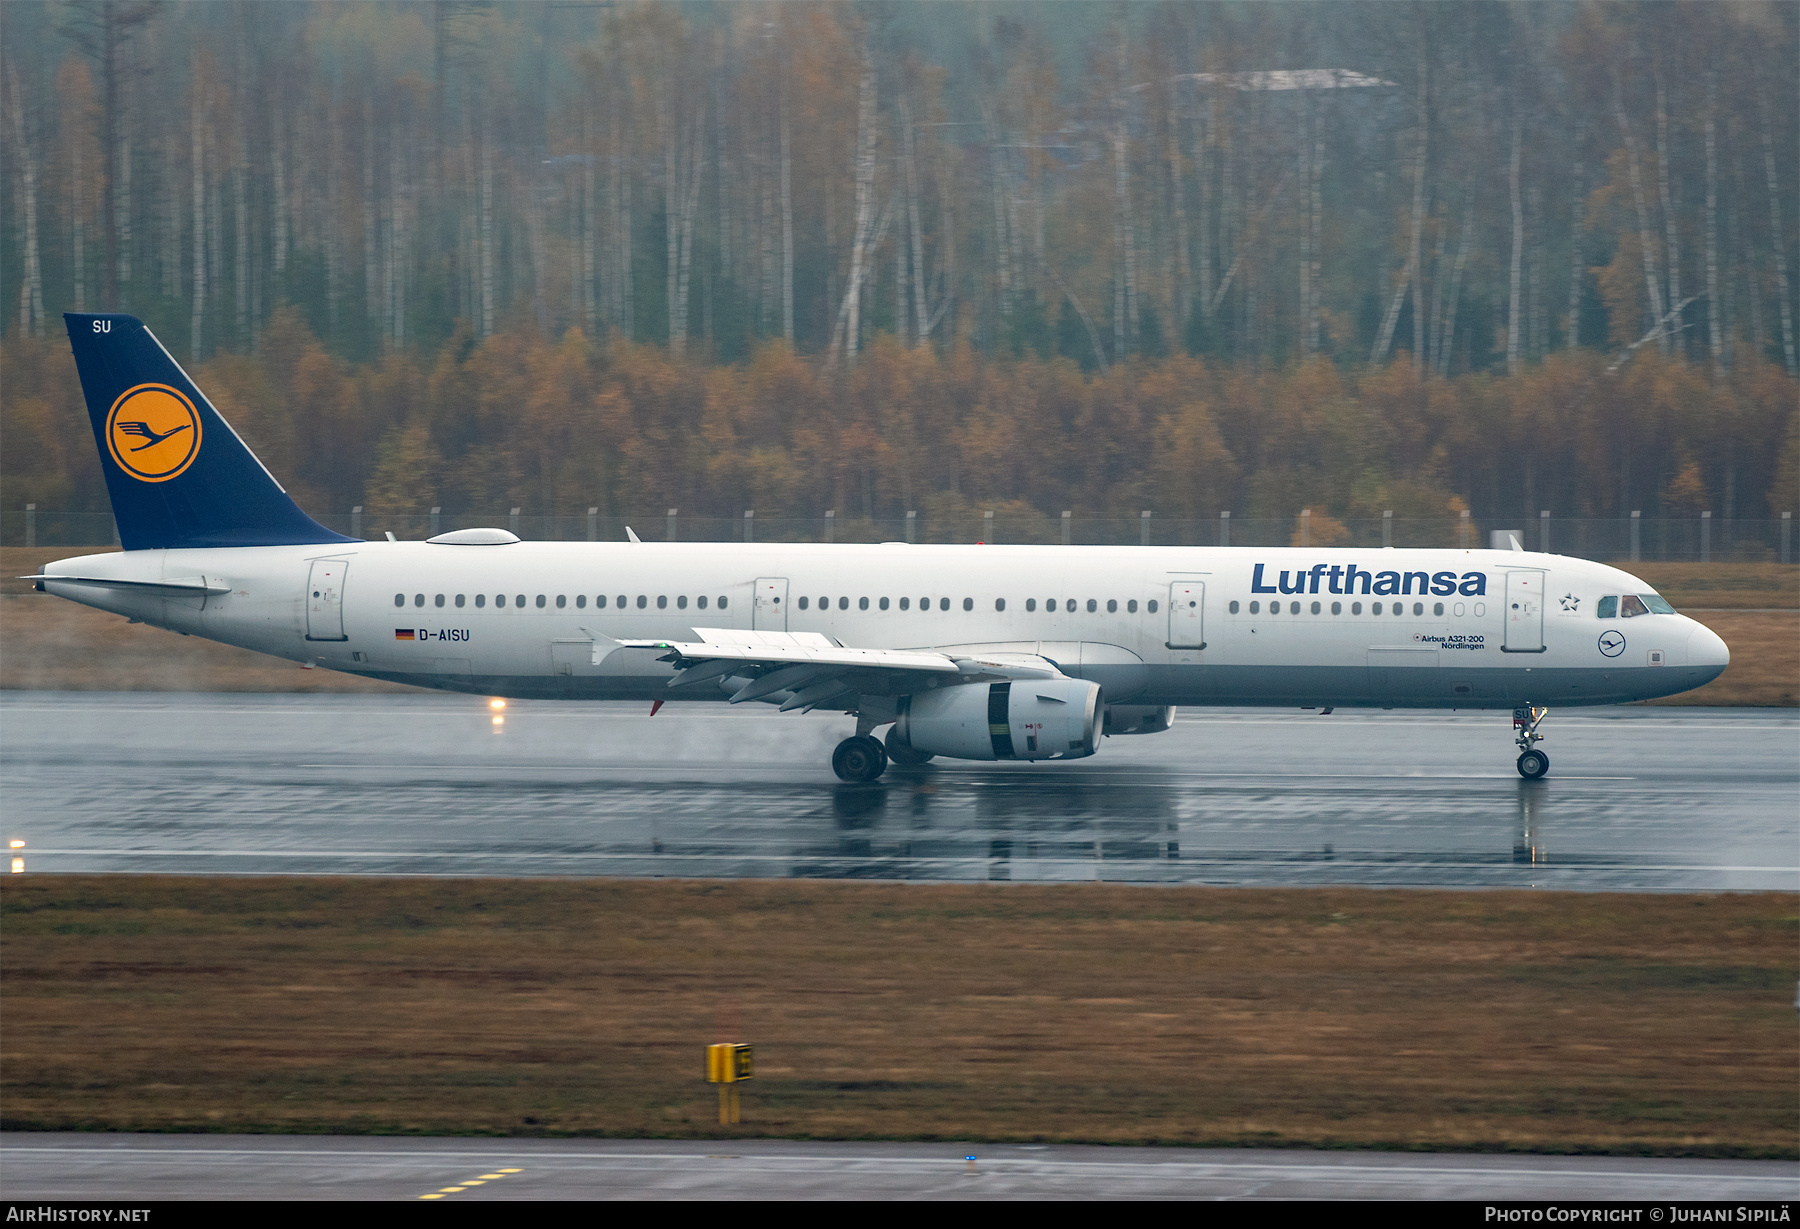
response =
{"points": [[483, 1180]]}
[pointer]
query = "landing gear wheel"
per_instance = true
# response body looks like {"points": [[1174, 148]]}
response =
{"points": [[903, 753], [1533, 765], [860, 759]]}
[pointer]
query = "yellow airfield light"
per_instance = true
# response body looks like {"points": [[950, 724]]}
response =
{"points": [[496, 703], [499, 720], [17, 844], [18, 866]]}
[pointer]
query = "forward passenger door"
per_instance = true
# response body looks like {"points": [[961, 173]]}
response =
{"points": [[1524, 612]]}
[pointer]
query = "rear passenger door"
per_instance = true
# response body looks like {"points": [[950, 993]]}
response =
{"points": [[325, 600]]}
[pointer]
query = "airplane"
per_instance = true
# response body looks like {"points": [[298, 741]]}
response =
{"points": [[971, 652]]}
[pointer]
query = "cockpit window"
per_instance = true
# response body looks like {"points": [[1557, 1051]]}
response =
{"points": [[1631, 606], [1607, 609], [1656, 604]]}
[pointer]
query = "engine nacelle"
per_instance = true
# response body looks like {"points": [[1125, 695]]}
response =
{"points": [[1138, 718], [1021, 719]]}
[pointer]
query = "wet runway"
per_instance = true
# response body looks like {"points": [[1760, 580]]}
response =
{"points": [[156, 1167], [1638, 799]]}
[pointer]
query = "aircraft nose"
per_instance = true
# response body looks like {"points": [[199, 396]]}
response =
{"points": [[1706, 650]]}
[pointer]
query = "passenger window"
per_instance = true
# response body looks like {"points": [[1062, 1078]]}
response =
{"points": [[540, 601], [1437, 608], [1337, 608], [1112, 606], [519, 600], [1293, 607], [1418, 608], [943, 603], [1356, 608], [1092, 605], [681, 602], [1399, 608], [862, 603], [1657, 605], [1375, 609], [999, 603], [1233, 608], [924, 603], [480, 600], [1274, 608], [843, 603], [600, 602], [803, 601], [438, 601], [1151, 606], [1131, 606], [622, 603], [459, 601], [419, 599], [906, 603], [1607, 609], [399, 599], [1255, 607], [662, 602], [1631, 606], [642, 601], [968, 603], [581, 601], [1316, 608], [561, 601], [700, 601], [884, 603], [499, 601], [1031, 604], [722, 603]]}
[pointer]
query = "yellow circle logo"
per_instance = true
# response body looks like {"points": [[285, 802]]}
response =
{"points": [[153, 432]]}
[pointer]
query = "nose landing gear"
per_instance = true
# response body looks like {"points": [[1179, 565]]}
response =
{"points": [[1533, 764]]}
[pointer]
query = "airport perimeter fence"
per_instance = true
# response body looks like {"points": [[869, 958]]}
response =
{"points": [[1704, 538]]}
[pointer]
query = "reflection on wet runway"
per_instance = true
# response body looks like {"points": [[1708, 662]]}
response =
{"points": [[1638, 799]]}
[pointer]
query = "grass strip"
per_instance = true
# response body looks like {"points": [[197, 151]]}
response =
{"points": [[1331, 1017]]}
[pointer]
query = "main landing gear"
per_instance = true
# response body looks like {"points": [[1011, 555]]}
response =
{"points": [[1533, 764], [860, 759]]}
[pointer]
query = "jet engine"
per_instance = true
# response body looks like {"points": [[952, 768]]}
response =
{"points": [[1138, 718], [1020, 719]]}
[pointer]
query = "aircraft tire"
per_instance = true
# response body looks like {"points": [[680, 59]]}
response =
{"points": [[859, 760], [1533, 764], [902, 753]]}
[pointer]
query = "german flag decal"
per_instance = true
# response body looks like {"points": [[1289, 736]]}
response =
{"points": [[403, 633]]}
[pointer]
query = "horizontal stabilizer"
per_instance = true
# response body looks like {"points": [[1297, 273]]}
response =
{"points": [[186, 586]]}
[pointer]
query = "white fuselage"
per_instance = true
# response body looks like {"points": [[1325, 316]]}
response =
{"points": [[1152, 625]]}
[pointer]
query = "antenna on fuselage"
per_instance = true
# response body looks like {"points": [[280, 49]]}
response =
{"points": [[632, 534]]}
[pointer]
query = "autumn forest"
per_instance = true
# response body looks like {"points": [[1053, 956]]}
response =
{"points": [[885, 257]]}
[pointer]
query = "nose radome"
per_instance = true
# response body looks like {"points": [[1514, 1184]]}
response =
{"points": [[1706, 649]]}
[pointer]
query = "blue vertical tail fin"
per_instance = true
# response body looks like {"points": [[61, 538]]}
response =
{"points": [[179, 476]]}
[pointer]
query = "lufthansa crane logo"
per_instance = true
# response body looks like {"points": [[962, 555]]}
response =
{"points": [[1612, 643], [153, 432]]}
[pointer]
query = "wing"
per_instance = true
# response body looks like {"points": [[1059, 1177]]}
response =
{"points": [[805, 669]]}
